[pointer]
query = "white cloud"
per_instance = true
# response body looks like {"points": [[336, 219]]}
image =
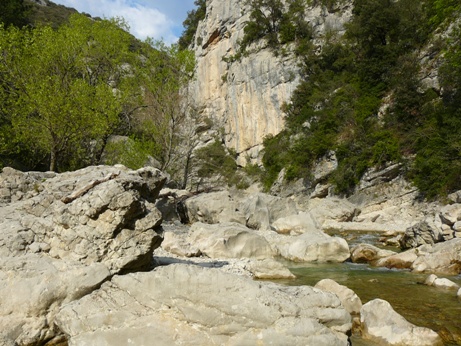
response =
{"points": [[144, 19]]}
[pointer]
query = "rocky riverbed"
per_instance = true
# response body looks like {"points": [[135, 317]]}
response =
{"points": [[100, 257]]}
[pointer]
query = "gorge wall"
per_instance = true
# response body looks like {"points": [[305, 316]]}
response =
{"points": [[244, 97]]}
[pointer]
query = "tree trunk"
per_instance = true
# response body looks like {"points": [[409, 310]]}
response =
{"points": [[53, 158], [186, 170]]}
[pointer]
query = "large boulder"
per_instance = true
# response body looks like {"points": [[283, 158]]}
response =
{"points": [[177, 243], [324, 166], [444, 283], [420, 234], [295, 224], [455, 197], [65, 237], [312, 246], [256, 211], [190, 305], [381, 324], [442, 258], [229, 240], [97, 214], [269, 269], [215, 207], [324, 209], [262, 209], [402, 260], [450, 214], [367, 253]]}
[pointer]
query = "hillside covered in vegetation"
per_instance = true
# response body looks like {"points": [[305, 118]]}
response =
{"points": [[364, 95]]}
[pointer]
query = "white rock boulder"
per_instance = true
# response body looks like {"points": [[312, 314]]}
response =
{"points": [[349, 299], [295, 224], [402, 260], [312, 246], [97, 214], [381, 324], [442, 258], [367, 253], [229, 240], [256, 211], [433, 280], [63, 235], [269, 269]]}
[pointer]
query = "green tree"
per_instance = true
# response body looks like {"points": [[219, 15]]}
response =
{"points": [[65, 88], [165, 72], [215, 162], [266, 17]]}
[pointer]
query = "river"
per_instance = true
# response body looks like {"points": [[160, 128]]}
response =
{"points": [[425, 306]]}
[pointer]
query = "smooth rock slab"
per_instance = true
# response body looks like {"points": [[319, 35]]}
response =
{"points": [[382, 324], [190, 305], [32, 288]]}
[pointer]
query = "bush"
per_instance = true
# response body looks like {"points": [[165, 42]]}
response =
{"points": [[131, 152], [213, 161]]}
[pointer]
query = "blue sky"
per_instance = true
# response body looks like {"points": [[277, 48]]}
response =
{"points": [[159, 19]]}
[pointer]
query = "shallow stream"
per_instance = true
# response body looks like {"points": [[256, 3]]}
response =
{"points": [[425, 306]]}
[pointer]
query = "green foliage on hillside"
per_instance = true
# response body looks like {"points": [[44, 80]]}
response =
{"points": [[338, 104], [14, 12], [441, 10], [64, 92], [52, 14], [190, 24]]}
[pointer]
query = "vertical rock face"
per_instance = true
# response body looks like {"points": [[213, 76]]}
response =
{"points": [[244, 96]]}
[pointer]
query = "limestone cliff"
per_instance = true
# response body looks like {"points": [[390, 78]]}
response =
{"points": [[244, 97]]}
